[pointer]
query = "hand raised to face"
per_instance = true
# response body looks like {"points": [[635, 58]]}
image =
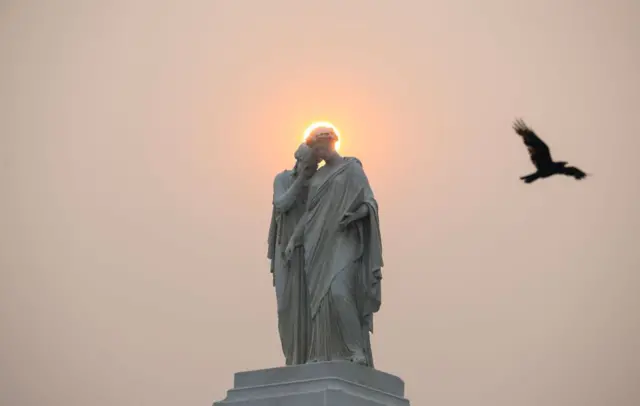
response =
{"points": [[306, 161]]}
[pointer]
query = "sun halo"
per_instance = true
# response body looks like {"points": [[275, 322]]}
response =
{"points": [[322, 124]]}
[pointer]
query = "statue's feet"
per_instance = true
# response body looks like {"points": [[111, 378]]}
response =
{"points": [[359, 358]]}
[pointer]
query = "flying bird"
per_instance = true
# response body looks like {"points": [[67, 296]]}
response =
{"points": [[541, 157]]}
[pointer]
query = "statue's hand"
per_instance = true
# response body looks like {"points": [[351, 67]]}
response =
{"points": [[288, 252], [346, 220], [302, 167], [308, 169]]}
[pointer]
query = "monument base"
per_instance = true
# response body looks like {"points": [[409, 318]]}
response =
{"points": [[316, 384]]}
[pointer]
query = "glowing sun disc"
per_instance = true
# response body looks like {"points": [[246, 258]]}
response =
{"points": [[322, 124]]}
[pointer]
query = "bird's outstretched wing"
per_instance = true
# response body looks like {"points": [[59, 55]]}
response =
{"points": [[573, 171], [538, 150]]}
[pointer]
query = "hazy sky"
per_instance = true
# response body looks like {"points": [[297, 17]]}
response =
{"points": [[139, 141]]}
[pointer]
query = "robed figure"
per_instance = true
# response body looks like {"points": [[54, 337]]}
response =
{"points": [[290, 190], [340, 237]]}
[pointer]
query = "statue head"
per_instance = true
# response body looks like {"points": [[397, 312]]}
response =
{"points": [[322, 142], [305, 160]]}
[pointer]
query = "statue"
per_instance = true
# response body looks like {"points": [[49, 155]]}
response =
{"points": [[289, 200], [339, 234], [326, 258]]}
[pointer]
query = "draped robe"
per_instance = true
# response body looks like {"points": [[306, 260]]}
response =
{"points": [[289, 278], [343, 268]]}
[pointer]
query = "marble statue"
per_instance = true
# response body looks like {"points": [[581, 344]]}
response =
{"points": [[326, 258], [290, 189], [339, 235]]}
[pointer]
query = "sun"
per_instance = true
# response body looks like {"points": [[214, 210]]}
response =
{"points": [[322, 124]]}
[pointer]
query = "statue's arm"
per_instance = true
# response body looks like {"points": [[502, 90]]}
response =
{"points": [[296, 239], [361, 212], [298, 232], [283, 197]]}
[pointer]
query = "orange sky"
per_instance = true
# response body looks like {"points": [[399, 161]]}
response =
{"points": [[139, 145]]}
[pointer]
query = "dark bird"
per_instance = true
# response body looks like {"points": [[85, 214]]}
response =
{"points": [[541, 157]]}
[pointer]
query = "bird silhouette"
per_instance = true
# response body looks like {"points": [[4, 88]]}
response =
{"points": [[541, 157]]}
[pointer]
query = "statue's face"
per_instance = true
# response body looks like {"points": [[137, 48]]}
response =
{"points": [[323, 149], [306, 160], [311, 164], [310, 169]]}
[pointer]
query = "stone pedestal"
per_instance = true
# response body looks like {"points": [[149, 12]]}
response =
{"points": [[317, 384]]}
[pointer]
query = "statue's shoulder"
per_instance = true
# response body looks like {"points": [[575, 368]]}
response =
{"points": [[354, 164], [284, 174], [282, 177], [353, 160]]}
